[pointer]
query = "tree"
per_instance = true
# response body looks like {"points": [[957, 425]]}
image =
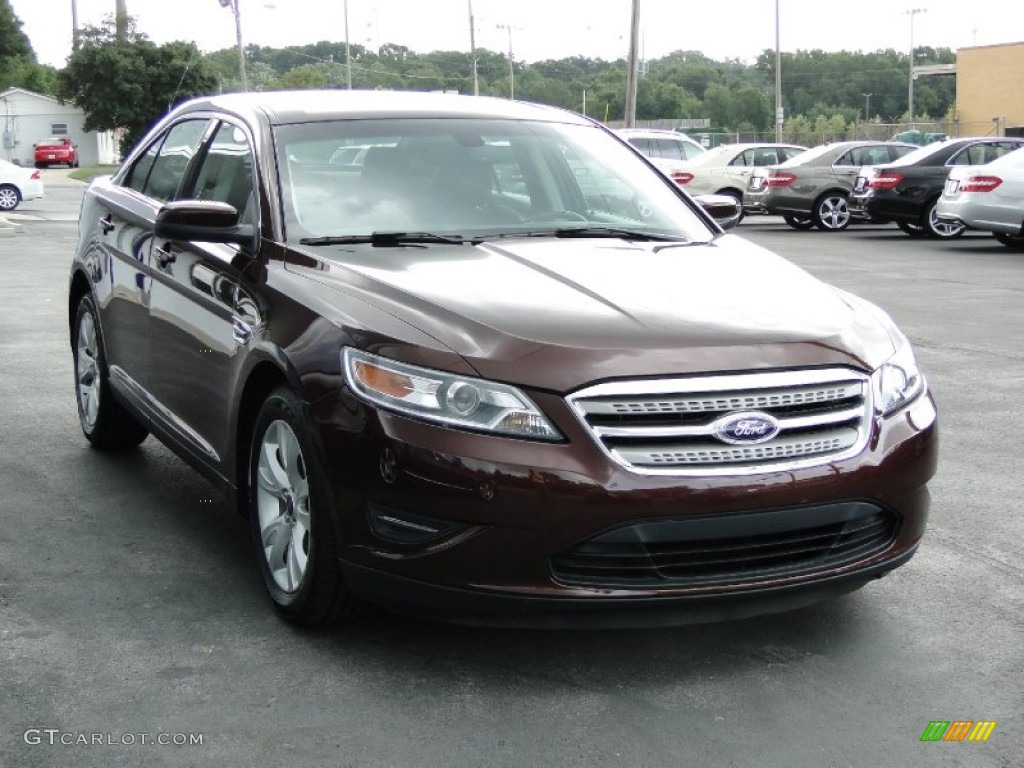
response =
{"points": [[14, 43], [18, 65], [128, 84]]}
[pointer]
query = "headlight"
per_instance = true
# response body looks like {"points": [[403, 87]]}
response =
{"points": [[445, 398], [899, 380]]}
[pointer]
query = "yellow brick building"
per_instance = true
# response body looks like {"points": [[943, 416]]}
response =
{"points": [[990, 89]]}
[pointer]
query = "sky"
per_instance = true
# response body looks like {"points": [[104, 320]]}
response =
{"points": [[543, 29]]}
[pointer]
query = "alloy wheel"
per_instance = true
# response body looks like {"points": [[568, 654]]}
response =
{"points": [[832, 213], [87, 372], [9, 198], [282, 503], [941, 228]]}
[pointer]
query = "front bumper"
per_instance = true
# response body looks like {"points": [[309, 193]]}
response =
{"points": [[509, 507]]}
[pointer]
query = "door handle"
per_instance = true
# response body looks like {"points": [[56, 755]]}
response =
{"points": [[107, 223], [164, 256]]}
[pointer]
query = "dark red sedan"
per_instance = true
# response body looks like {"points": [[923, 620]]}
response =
{"points": [[501, 370]]}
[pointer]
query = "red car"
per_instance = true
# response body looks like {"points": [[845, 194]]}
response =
{"points": [[56, 150]]}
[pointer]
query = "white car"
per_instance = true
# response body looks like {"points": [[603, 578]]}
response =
{"points": [[668, 150], [17, 184], [988, 197]]}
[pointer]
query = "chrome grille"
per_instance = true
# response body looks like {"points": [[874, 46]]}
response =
{"points": [[671, 426]]}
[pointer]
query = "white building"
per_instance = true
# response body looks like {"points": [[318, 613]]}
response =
{"points": [[27, 117]]}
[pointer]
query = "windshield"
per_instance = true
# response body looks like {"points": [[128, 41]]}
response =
{"points": [[470, 178]]}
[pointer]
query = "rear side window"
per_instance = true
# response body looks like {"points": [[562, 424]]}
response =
{"points": [[898, 152], [173, 158], [667, 148], [644, 145], [980, 154]]}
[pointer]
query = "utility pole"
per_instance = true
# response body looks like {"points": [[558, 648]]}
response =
{"points": [[75, 41], [121, 20], [233, 5], [631, 72], [778, 80], [910, 87], [867, 109], [511, 69], [472, 48], [348, 51]]}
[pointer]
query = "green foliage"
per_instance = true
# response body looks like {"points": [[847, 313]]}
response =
{"points": [[18, 65], [129, 84]]}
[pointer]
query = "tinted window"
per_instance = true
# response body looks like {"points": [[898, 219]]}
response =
{"points": [[136, 178], [898, 152], [744, 158], [644, 145], [226, 172], [172, 160], [670, 149], [785, 153]]}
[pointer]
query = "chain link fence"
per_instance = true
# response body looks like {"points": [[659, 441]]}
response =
{"points": [[811, 133]]}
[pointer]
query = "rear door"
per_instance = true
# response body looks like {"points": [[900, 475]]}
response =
{"points": [[201, 315]]}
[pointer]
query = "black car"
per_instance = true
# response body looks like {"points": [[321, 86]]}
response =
{"points": [[908, 190]]}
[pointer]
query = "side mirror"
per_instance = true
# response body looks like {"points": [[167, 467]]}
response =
{"points": [[726, 210], [207, 221]]}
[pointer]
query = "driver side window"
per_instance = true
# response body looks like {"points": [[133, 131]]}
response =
{"points": [[226, 173], [168, 167]]}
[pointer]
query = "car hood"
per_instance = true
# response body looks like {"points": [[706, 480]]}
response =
{"points": [[559, 314]]}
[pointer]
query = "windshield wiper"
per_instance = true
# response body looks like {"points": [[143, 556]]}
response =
{"points": [[385, 239], [595, 232]]}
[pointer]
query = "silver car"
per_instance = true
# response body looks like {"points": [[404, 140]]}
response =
{"points": [[668, 150], [726, 170], [812, 189], [988, 197]]}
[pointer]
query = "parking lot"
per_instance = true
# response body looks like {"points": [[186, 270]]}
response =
{"points": [[131, 605]]}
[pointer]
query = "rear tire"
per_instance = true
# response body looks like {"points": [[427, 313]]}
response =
{"points": [[290, 518], [105, 422], [10, 197], [831, 212], [1014, 242], [799, 222]]}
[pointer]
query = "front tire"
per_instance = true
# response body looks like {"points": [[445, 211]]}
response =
{"points": [[290, 518], [939, 228], [799, 222], [831, 213], [105, 422], [9, 197]]}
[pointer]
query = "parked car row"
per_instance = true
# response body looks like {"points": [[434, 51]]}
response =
{"points": [[834, 185]]}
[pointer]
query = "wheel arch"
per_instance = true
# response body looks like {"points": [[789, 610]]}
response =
{"points": [[79, 287], [262, 379]]}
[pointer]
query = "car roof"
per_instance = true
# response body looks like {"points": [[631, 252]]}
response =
{"points": [[285, 107]]}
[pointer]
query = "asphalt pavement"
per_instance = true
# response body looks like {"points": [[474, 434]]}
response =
{"points": [[131, 609]]}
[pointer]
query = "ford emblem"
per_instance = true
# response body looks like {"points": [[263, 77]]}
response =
{"points": [[746, 428]]}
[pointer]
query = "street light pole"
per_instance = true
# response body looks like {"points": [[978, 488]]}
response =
{"points": [[472, 47], [778, 79], [233, 5], [348, 51], [631, 73], [511, 69], [910, 87]]}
